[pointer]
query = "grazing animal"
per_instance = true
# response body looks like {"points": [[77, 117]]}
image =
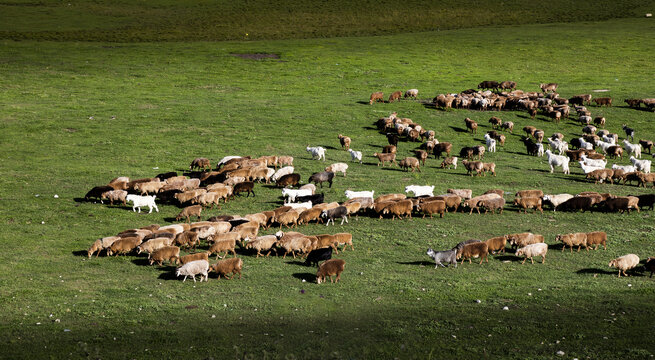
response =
{"points": [[473, 166], [596, 239], [444, 147], [606, 101], [317, 255], [574, 239], [338, 167], [632, 148], [471, 125], [165, 253], [410, 163], [650, 265], [548, 87], [640, 165], [497, 243], [114, 195], [473, 250], [399, 208], [200, 163], [355, 155], [246, 186], [321, 177], [646, 144], [382, 158], [317, 152], [556, 200], [227, 266], [491, 143], [139, 201], [418, 190], [529, 203], [193, 268], [97, 192], [440, 257], [288, 180], [532, 250], [330, 268], [375, 97], [449, 161], [625, 263], [433, 207], [395, 96], [189, 211], [413, 93]]}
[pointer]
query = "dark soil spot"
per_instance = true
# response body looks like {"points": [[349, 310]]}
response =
{"points": [[257, 56], [190, 307]]}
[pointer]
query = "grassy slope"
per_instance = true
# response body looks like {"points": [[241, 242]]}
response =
{"points": [[242, 20], [173, 102]]}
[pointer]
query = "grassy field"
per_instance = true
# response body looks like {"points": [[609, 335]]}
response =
{"points": [[77, 114]]}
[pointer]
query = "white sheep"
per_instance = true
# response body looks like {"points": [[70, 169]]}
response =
{"points": [[355, 155], [556, 200], [632, 148], [540, 149], [625, 168], [532, 250], [306, 205], [491, 143], [558, 160], [641, 165], [559, 145], [138, 201], [338, 167], [291, 194], [317, 152], [586, 169], [281, 172], [418, 190], [593, 162], [411, 93], [624, 263], [355, 194], [193, 268], [585, 145]]}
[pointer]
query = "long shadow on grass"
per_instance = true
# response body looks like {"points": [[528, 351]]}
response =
{"points": [[80, 253], [296, 262], [595, 271], [363, 103], [458, 129], [419, 263], [309, 277]]}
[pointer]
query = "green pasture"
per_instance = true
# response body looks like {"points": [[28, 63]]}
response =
{"points": [[74, 115]]}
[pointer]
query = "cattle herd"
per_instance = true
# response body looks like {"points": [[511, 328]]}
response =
{"points": [[204, 187]]}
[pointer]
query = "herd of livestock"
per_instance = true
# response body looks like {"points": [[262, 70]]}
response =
{"points": [[203, 187]]}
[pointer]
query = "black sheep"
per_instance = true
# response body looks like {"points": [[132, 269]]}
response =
{"points": [[318, 255]]}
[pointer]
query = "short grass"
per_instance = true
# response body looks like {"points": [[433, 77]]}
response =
{"points": [[75, 115]]}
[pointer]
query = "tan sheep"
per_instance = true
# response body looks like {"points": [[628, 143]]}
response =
{"points": [[473, 250], [410, 163], [625, 263], [288, 219], [524, 239], [344, 239], [433, 207], [399, 208], [219, 246], [389, 197], [301, 245], [596, 239], [262, 243], [123, 246], [573, 239], [345, 142], [193, 257], [102, 244], [186, 239], [187, 212], [154, 244], [114, 195], [526, 203], [227, 266], [532, 250], [166, 253], [497, 244]]}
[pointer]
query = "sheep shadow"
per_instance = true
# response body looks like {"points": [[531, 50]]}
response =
{"points": [[458, 129], [370, 128], [419, 263], [305, 276], [80, 253], [143, 261], [595, 271], [363, 102], [296, 262], [168, 273]]}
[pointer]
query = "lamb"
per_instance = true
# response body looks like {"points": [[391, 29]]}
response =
{"points": [[596, 239], [317, 152], [533, 250], [193, 268], [375, 97], [418, 190], [473, 250], [433, 207], [632, 148], [491, 143], [338, 167], [317, 255], [200, 163], [321, 177], [355, 155], [337, 212], [330, 268], [165, 253], [579, 239], [625, 263], [385, 157], [413, 93], [449, 161], [497, 244], [140, 201], [399, 208], [123, 246], [219, 246], [395, 96], [641, 165], [345, 142], [558, 160], [556, 200], [154, 244], [101, 244], [449, 257], [629, 132]]}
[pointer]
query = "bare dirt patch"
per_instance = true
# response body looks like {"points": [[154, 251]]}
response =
{"points": [[257, 56]]}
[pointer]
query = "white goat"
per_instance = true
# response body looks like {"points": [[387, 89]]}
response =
{"points": [[291, 194], [558, 160], [226, 159], [281, 172], [491, 143], [355, 155], [586, 145], [625, 168], [641, 165], [138, 201], [317, 152], [593, 162], [632, 148], [588, 168], [420, 190], [540, 149], [355, 194], [609, 139]]}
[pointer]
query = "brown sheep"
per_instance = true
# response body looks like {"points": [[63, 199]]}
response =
{"points": [[285, 160], [523, 239], [149, 187], [452, 201], [219, 246], [344, 239], [529, 203], [489, 167], [187, 212], [529, 130], [471, 125], [227, 266], [193, 257], [596, 239], [166, 253], [473, 166], [644, 179], [548, 87], [495, 122], [410, 162], [497, 244], [396, 95], [433, 207], [246, 186], [646, 144], [492, 205], [449, 161], [262, 243], [650, 265], [345, 142], [389, 197], [421, 155], [288, 218], [375, 97], [288, 180], [399, 208], [259, 219], [330, 268], [507, 125], [313, 214], [530, 193], [352, 207], [473, 250], [601, 175], [579, 239], [389, 149], [186, 239], [114, 195], [302, 245], [382, 158], [124, 245], [474, 203], [200, 163], [603, 101], [325, 240]]}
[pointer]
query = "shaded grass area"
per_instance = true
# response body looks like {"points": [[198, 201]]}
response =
{"points": [[76, 115], [165, 20]]}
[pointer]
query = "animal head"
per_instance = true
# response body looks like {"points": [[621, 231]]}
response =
{"points": [[430, 252], [613, 262], [520, 252], [558, 238], [324, 214]]}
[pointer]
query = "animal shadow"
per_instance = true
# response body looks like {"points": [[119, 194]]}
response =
{"points": [[508, 258], [458, 129], [168, 273], [305, 276], [141, 262], [595, 271], [295, 262], [420, 262], [80, 253], [363, 102]]}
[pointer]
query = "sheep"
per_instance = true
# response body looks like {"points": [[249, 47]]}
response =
{"points": [[650, 265], [114, 195], [123, 246], [101, 244], [607, 101], [281, 172], [614, 151], [641, 165], [165, 253], [593, 162], [364, 202], [321, 177], [200, 163], [492, 205], [495, 122], [473, 250], [337, 212], [390, 197], [601, 175], [154, 244], [330, 268], [194, 257], [452, 201], [418, 190], [338, 167], [646, 144], [227, 266], [219, 246], [632, 148], [548, 87], [465, 194], [186, 238], [500, 138], [629, 132], [473, 166], [474, 203], [97, 192], [449, 161], [496, 244], [288, 180], [193, 268], [301, 244], [399, 208], [530, 146], [579, 239], [317, 255], [491, 143], [395, 96], [392, 139], [558, 160], [509, 125], [262, 243], [471, 125], [382, 158], [489, 167], [413, 93], [357, 194], [625, 263], [560, 146], [345, 142], [323, 241], [556, 200], [529, 130], [449, 257], [433, 207], [529, 203], [189, 211], [603, 145], [344, 239], [246, 186], [589, 129], [375, 97], [355, 155], [619, 204], [523, 239], [532, 250], [440, 148], [596, 239], [317, 152]]}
